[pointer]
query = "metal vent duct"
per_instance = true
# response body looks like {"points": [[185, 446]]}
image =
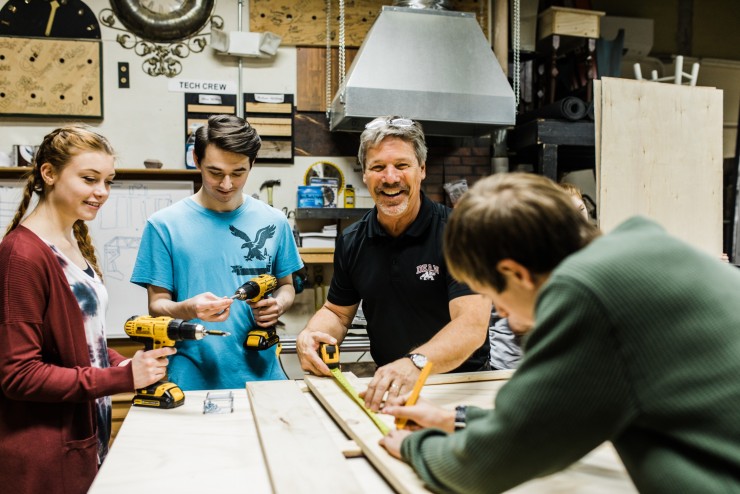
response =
{"points": [[434, 66]]}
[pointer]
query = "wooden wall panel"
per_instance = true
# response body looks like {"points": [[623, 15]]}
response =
{"points": [[303, 22], [312, 76], [659, 154], [50, 77]]}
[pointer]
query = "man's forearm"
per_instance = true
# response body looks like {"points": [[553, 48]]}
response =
{"points": [[328, 322], [462, 336]]}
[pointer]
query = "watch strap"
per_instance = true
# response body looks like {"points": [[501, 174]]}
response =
{"points": [[461, 417]]}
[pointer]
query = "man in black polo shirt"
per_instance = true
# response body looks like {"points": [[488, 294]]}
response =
{"points": [[392, 260]]}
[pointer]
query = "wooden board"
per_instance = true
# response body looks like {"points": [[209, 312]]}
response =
{"points": [[303, 22], [50, 77], [184, 450], [292, 438], [358, 426], [660, 155], [311, 63], [600, 471]]}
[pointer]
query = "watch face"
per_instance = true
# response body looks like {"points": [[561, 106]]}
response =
{"points": [[418, 359]]}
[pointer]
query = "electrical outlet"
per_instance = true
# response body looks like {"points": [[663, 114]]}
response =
{"points": [[124, 81]]}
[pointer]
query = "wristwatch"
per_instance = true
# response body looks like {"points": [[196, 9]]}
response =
{"points": [[417, 359], [461, 416]]}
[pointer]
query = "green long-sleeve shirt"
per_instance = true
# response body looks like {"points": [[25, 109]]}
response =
{"points": [[637, 341]]}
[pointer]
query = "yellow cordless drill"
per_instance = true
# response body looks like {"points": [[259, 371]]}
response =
{"points": [[158, 332], [255, 290]]}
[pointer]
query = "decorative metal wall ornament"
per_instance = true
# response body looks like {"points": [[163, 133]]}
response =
{"points": [[163, 31]]}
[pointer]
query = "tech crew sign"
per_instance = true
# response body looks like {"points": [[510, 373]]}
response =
{"points": [[190, 86]]}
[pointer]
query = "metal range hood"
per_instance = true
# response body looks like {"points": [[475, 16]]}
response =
{"points": [[434, 66]]}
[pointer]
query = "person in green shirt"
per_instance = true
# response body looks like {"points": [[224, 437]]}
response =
{"points": [[635, 340]]}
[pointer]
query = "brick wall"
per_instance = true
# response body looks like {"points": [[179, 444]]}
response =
{"points": [[453, 158]]}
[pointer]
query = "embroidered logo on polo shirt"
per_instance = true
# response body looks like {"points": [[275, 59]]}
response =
{"points": [[427, 271]]}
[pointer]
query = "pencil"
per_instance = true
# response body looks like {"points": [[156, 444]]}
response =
{"points": [[401, 422]]}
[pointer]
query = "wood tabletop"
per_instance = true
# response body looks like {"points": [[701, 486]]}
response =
{"points": [[294, 445]]}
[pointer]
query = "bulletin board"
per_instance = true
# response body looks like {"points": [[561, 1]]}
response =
{"points": [[50, 77], [116, 233]]}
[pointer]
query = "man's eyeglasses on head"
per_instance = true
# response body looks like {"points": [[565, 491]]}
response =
{"points": [[393, 122]]}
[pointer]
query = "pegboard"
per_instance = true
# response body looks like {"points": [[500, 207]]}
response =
{"points": [[50, 77], [303, 22]]}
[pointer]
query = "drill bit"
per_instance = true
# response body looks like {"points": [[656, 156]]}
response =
{"points": [[216, 332]]}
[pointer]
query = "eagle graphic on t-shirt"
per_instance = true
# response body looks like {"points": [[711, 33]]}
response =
{"points": [[254, 248]]}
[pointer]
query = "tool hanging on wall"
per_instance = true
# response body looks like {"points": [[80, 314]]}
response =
{"points": [[269, 184]]}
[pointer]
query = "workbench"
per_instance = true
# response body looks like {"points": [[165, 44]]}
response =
{"points": [[185, 450]]}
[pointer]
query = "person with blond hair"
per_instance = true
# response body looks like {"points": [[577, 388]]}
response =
{"points": [[634, 340], [56, 371]]}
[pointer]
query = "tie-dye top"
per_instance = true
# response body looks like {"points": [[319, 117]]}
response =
{"points": [[92, 297]]}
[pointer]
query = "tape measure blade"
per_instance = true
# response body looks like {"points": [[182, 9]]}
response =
{"points": [[350, 390]]}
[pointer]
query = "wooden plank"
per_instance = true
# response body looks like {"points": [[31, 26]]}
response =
{"points": [[213, 109], [270, 121], [202, 453], [303, 22], [311, 63], [358, 426], [661, 156], [293, 438], [600, 471], [275, 149], [280, 130], [50, 77], [254, 107], [466, 377]]}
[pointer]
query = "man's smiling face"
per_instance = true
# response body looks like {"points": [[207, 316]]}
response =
{"points": [[393, 176]]}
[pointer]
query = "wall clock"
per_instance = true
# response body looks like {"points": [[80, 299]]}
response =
{"points": [[49, 18], [163, 21]]}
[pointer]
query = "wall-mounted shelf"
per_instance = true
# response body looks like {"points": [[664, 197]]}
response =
{"points": [[317, 255], [330, 213], [121, 173]]}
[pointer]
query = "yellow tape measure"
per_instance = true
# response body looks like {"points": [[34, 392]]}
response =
{"points": [[344, 383]]}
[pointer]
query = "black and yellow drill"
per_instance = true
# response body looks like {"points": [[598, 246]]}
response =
{"points": [[158, 332], [255, 290]]}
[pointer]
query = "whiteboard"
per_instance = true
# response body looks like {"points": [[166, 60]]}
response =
{"points": [[116, 233]]}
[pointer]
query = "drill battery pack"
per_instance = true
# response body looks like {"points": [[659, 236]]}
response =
{"points": [[260, 339], [162, 394]]}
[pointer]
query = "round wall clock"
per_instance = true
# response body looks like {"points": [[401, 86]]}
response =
{"points": [[49, 18], [163, 21]]}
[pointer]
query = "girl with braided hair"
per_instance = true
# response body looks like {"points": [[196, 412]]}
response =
{"points": [[56, 371]]}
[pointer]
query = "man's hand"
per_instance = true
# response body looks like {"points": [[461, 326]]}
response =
{"points": [[149, 367], [395, 378], [424, 414], [307, 346], [208, 307], [266, 312], [392, 442]]}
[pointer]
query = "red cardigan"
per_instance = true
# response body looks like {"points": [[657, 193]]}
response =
{"points": [[48, 427]]}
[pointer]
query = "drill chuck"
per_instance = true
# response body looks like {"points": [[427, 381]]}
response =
{"points": [[256, 289]]}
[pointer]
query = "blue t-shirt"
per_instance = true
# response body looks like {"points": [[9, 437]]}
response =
{"points": [[188, 250]]}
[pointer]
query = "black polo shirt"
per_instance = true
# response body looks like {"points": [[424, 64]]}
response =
{"points": [[403, 283]]}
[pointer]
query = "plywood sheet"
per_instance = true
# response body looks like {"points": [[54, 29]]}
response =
{"points": [[292, 438], [50, 77], [303, 22], [660, 155]]}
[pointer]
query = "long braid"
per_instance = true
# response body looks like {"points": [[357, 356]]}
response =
{"points": [[25, 201], [84, 242]]}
